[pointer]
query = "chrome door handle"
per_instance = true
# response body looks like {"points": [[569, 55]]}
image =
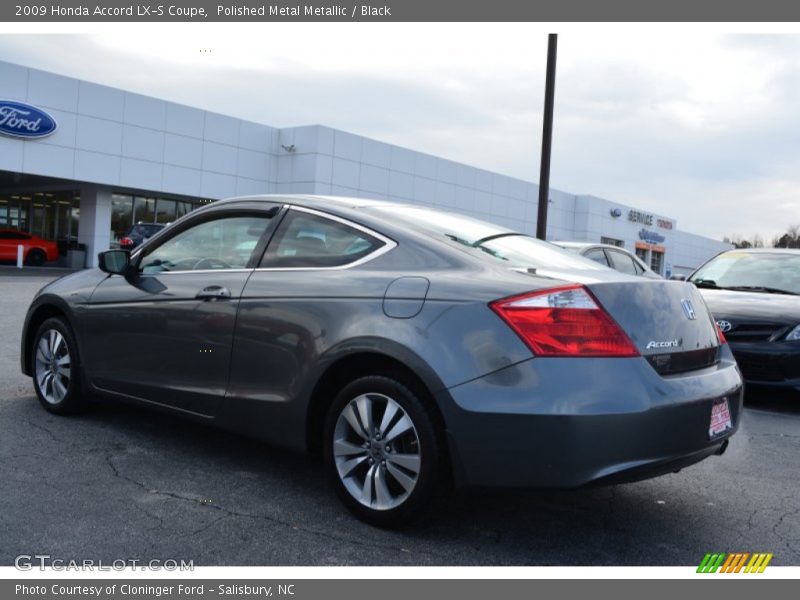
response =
{"points": [[213, 292]]}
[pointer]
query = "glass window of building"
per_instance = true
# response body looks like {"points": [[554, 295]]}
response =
{"points": [[612, 242], [52, 215], [656, 260], [182, 208], [165, 210], [144, 209], [121, 215], [127, 210], [74, 217]]}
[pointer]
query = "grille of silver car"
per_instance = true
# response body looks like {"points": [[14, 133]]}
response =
{"points": [[753, 332]]}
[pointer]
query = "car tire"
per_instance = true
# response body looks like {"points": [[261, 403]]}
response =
{"points": [[56, 368], [382, 452], [36, 258]]}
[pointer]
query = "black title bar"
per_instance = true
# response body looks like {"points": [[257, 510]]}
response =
{"points": [[402, 10]]}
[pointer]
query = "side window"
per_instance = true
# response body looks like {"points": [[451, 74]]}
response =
{"points": [[224, 243], [622, 262], [311, 241], [13, 235], [597, 255]]}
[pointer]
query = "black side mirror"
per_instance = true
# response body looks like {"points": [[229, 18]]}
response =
{"points": [[115, 262], [678, 277]]}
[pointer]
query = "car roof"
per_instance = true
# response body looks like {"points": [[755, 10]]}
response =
{"points": [[590, 245], [764, 250], [350, 207], [317, 201]]}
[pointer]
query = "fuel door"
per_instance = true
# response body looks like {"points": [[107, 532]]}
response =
{"points": [[405, 296]]}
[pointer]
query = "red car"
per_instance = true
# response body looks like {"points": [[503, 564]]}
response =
{"points": [[36, 251]]}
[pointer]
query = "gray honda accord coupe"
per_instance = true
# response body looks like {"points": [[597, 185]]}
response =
{"points": [[413, 349]]}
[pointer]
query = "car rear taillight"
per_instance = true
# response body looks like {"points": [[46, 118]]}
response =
{"points": [[126, 241], [564, 321], [720, 335]]}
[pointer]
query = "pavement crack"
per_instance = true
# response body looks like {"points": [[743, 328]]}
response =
{"points": [[150, 515], [208, 525], [49, 433], [752, 516], [779, 522], [238, 514]]}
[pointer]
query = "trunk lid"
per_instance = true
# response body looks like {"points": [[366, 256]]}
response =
{"points": [[662, 318]]}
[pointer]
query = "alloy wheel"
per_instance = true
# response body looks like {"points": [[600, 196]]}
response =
{"points": [[53, 366], [376, 450]]}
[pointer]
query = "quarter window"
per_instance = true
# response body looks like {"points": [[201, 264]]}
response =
{"points": [[597, 255], [622, 262], [226, 243], [305, 240]]}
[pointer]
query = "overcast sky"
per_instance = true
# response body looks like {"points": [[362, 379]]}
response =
{"points": [[703, 128]]}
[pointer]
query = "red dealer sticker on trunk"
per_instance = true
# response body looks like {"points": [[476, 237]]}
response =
{"points": [[720, 418]]}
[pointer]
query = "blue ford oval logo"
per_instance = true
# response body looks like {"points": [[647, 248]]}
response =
{"points": [[25, 121]]}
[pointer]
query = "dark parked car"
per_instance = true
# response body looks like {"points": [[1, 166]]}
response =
{"points": [[413, 348], [615, 257], [754, 295], [138, 234]]}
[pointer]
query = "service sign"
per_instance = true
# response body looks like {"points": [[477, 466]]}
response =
{"points": [[24, 121]]}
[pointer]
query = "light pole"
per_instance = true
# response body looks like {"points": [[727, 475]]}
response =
{"points": [[547, 136]]}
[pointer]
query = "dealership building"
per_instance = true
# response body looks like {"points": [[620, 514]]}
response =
{"points": [[114, 158]]}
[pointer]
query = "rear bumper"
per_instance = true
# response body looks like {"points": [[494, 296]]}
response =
{"points": [[566, 423], [774, 364]]}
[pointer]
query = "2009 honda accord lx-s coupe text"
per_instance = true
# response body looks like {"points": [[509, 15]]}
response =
{"points": [[413, 349]]}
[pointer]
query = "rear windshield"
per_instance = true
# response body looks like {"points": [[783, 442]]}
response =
{"points": [[487, 240], [751, 271]]}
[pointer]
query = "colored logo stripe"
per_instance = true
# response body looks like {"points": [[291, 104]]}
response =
{"points": [[711, 563], [758, 563], [734, 562]]}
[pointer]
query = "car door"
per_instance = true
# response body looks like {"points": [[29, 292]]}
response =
{"points": [[165, 333], [296, 304]]}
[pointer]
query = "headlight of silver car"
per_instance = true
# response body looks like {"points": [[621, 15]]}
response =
{"points": [[793, 335]]}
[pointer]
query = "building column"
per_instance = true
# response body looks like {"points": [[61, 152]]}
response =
{"points": [[94, 226]]}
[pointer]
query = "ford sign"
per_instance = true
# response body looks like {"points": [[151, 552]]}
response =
{"points": [[24, 121], [651, 237]]}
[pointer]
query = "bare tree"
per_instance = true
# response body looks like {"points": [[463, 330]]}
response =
{"points": [[790, 239], [740, 241]]}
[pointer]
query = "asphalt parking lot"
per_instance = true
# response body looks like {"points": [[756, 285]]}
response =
{"points": [[122, 483]]}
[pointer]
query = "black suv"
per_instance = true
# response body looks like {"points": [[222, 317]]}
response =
{"points": [[139, 233]]}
